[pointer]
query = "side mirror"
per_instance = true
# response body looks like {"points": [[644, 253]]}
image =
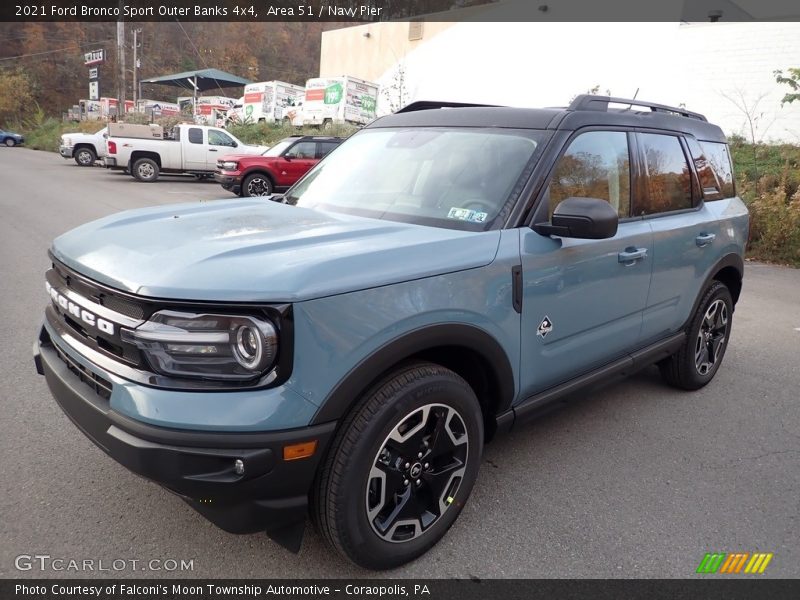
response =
{"points": [[234, 144], [583, 218], [287, 157]]}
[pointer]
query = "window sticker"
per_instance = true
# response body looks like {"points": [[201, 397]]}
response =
{"points": [[465, 214]]}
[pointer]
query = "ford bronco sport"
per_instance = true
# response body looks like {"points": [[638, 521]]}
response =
{"points": [[443, 275]]}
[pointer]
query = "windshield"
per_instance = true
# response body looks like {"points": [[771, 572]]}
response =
{"points": [[459, 178], [278, 148]]}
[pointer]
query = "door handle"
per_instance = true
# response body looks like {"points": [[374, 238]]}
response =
{"points": [[704, 239], [212, 149], [630, 255]]}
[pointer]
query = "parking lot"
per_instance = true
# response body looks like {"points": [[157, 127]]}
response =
{"points": [[632, 480]]}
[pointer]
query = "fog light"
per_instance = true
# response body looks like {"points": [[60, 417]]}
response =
{"points": [[238, 466]]}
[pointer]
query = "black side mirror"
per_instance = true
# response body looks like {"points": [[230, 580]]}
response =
{"points": [[584, 218]]}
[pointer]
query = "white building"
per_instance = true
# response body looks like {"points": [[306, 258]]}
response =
{"points": [[724, 70]]}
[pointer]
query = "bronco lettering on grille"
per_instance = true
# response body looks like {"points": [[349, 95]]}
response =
{"points": [[78, 311]]}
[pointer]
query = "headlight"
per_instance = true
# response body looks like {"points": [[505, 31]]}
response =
{"points": [[67, 142], [209, 346], [229, 165]]}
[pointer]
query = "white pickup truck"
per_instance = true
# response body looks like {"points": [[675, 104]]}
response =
{"points": [[192, 149], [85, 148]]}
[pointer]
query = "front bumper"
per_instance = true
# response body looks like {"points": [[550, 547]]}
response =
{"points": [[232, 183], [272, 493], [66, 151]]}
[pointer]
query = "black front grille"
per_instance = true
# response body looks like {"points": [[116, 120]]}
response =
{"points": [[101, 296], [123, 307], [101, 386]]}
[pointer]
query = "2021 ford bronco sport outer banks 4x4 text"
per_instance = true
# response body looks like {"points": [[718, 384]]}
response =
{"points": [[440, 276]]}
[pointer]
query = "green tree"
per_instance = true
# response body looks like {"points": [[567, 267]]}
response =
{"points": [[792, 79], [16, 95]]}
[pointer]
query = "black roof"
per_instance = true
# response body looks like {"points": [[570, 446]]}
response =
{"points": [[584, 111], [315, 138]]}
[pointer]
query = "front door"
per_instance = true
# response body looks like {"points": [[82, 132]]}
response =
{"points": [[583, 300]]}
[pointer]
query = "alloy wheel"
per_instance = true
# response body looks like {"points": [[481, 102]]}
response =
{"points": [[416, 473], [711, 337]]}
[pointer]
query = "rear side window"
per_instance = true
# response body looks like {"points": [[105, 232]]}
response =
{"points": [[195, 135], [595, 165], [667, 176], [719, 161]]}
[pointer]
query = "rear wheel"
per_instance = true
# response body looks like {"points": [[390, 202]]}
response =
{"points": [[401, 467], [145, 170], [256, 185], [699, 359], [85, 157]]}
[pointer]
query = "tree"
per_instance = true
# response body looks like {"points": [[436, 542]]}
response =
{"points": [[793, 81], [396, 93], [16, 95]]}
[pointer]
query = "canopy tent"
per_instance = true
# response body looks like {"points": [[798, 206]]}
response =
{"points": [[199, 81]]}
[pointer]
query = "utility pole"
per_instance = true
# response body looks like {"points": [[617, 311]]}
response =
{"points": [[121, 67], [136, 83]]}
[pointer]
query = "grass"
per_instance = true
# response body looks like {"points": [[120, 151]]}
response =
{"points": [[768, 181]]}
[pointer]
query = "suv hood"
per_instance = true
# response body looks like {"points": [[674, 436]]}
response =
{"points": [[260, 251]]}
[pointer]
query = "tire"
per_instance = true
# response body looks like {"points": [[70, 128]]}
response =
{"points": [[145, 170], [256, 184], [698, 360], [387, 454], [85, 157], [10, 142], [327, 125]]}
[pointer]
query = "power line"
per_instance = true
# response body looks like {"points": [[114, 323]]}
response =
{"points": [[54, 51]]}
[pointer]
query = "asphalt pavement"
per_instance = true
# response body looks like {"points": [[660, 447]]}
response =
{"points": [[632, 480]]}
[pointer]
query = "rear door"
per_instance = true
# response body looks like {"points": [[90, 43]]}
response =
{"points": [[583, 299], [686, 232]]}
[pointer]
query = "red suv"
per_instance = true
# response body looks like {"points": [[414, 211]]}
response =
{"points": [[277, 169]]}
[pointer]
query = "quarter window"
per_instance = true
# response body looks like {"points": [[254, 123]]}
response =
{"points": [[666, 174], [719, 160], [596, 165], [325, 148]]}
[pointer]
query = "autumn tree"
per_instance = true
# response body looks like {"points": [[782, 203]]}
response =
{"points": [[16, 95]]}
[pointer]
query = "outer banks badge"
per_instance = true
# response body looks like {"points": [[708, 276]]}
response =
{"points": [[545, 327]]}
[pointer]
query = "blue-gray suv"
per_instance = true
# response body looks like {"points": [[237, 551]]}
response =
{"points": [[348, 348]]}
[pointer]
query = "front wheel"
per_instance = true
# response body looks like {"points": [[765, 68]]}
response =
{"points": [[10, 142], [699, 359], [256, 185], [401, 467], [85, 157], [145, 170]]}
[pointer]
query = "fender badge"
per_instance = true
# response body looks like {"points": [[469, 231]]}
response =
{"points": [[545, 327]]}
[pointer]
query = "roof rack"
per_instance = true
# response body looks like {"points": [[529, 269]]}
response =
{"points": [[600, 103], [433, 104]]}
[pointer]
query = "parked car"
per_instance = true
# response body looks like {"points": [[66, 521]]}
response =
{"points": [[84, 148], [439, 278], [192, 149], [275, 170], [10, 139]]}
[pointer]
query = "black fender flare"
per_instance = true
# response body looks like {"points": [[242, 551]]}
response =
{"points": [[729, 260], [348, 390]]}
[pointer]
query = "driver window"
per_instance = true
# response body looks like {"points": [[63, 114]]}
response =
{"points": [[217, 138], [596, 165], [302, 150]]}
